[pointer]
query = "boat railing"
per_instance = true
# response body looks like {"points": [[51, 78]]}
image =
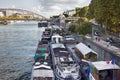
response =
{"points": [[75, 57]]}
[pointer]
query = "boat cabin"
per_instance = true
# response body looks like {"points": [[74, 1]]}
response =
{"points": [[57, 38], [43, 24], [104, 70], [84, 52]]}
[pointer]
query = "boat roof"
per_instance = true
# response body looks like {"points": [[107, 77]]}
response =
{"points": [[58, 45], [69, 38], [56, 35], [84, 49], [102, 65], [43, 21], [60, 52], [55, 27], [43, 73]]}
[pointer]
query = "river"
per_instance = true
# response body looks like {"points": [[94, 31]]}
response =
{"points": [[18, 43]]}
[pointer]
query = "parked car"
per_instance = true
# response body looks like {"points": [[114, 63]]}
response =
{"points": [[97, 34], [110, 39]]}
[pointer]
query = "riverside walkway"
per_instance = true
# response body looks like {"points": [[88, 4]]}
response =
{"points": [[108, 46], [105, 50]]}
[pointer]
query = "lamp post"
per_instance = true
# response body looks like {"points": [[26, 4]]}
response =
{"points": [[92, 37]]}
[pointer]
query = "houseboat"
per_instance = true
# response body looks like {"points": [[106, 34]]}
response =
{"points": [[64, 65], [43, 24], [104, 70], [42, 67], [84, 52], [47, 34]]}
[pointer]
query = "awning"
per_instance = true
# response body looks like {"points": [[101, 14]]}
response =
{"points": [[42, 49], [102, 65], [59, 45], [39, 56], [84, 49]]}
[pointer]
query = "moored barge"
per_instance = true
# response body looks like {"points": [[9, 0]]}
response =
{"points": [[64, 65], [42, 67]]}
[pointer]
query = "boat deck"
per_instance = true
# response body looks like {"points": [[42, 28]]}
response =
{"points": [[60, 52], [64, 63]]}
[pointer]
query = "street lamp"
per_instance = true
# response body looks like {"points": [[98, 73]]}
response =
{"points": [[92, 37]]}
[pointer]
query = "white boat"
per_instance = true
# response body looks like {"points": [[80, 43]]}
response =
{"points": [[64, 65]]}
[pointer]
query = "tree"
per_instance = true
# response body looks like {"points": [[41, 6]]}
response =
{"points": [[105, 12], [84, 28], [83, 12], [72, 28]]}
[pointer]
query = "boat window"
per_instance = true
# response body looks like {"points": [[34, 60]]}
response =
{"points": [[105, 75], [91, 56], [54, 40], [61, 59], [60, 40], [70, 59], [64, 51]]}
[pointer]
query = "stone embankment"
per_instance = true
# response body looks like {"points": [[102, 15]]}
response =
{"points": [[105, 50]]}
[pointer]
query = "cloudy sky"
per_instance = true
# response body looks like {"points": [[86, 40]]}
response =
{"points": [[44, 7]]}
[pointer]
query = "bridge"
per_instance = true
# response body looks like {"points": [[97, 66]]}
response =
{"points": [[73, 18], [19, 14]]}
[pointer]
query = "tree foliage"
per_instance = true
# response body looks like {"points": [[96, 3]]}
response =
{"points": [[106, 12], [83, 28], [72, 28], [82, 12]]}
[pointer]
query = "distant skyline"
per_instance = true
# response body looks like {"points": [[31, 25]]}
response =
{"points": [[46, 8]]}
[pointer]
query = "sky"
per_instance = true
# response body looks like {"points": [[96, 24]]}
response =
{"points": [[45, 8]]}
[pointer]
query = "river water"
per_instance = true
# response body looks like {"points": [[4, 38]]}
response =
{"points": [[18, 43]]}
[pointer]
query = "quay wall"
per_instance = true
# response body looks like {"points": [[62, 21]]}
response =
{"points": [[103, 53]]}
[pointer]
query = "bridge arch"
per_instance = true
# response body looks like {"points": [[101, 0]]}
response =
{"points": [[23, 12]]}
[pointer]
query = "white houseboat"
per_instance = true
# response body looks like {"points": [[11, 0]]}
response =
{"points": [[64, 65]]}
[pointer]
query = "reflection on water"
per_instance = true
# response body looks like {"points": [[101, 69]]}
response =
{"points": [[18, 44]]}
